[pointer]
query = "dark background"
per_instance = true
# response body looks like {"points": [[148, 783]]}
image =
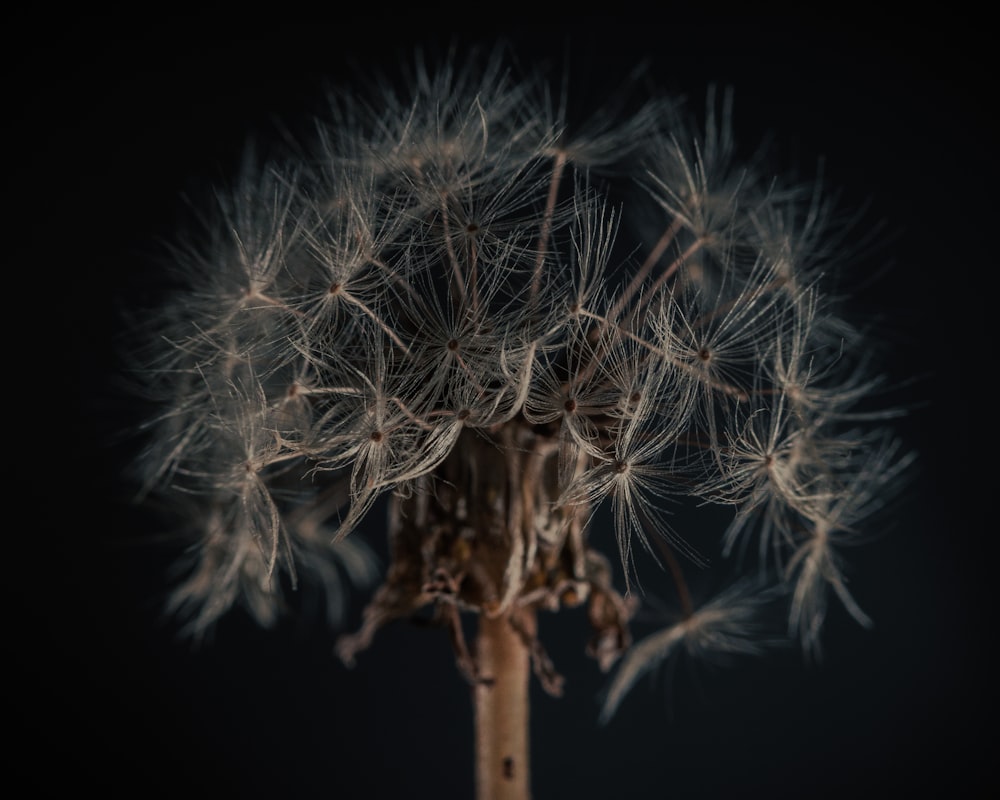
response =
{"points": [[113, 119]]}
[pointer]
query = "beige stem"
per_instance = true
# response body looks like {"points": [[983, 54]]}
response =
{"points": [[502, 766]]}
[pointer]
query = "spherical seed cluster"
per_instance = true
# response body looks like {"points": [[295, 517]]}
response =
{"points": [[502, 323]]}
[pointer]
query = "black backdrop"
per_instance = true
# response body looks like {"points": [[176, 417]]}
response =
{"points": [[111, 124]]}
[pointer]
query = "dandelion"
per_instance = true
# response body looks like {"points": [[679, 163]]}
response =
{"points": [[451, 299]]}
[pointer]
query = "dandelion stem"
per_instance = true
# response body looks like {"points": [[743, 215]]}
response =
{"points": [[501, 700]]}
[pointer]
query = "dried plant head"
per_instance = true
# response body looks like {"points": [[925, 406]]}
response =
{"points": [[458, 298]]}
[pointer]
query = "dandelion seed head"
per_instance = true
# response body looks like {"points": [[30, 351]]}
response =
{"points": [[501, 321]]}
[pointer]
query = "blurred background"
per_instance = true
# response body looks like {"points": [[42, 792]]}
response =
{"points": [[114, 120]]}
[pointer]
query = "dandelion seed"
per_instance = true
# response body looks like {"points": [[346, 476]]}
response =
{"points": [[728, 625]]}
